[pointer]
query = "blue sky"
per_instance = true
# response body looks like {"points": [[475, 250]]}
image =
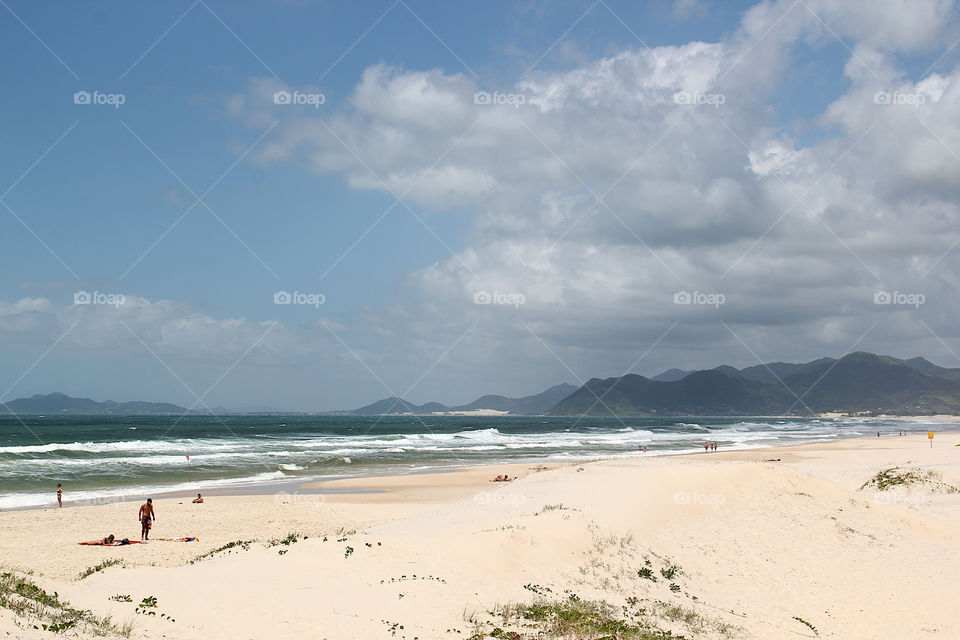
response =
{"points": [[101, 197], [117, 199]]}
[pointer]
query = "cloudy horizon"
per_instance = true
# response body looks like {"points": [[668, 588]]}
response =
{"points": [[314, 207]]}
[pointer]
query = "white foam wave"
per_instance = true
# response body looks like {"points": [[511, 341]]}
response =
{"points": [[11, 500]]}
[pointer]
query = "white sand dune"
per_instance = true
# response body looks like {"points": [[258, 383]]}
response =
{"points": [[759, 546]]}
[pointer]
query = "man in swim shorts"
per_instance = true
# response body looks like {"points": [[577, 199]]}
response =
{"points": [[146, 516]]}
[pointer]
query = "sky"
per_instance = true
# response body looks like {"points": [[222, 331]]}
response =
{"points": [[314, 205]]}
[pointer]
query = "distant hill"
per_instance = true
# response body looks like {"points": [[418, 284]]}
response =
{"points": [[858, 382], [528, 405], [671, 375], [53, 403], [394, 405], [925, 366]]}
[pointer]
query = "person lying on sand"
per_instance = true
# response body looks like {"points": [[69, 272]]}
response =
{"points": [[146, 516], [198, 499], [501, 479]]}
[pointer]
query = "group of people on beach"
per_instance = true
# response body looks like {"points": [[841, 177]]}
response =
{"points": [[709, 446], [147, 516]]}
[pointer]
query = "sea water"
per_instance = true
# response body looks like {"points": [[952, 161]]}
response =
{"points": [[111, 457]]}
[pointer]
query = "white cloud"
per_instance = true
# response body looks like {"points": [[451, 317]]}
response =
{"points": [[705, 195]]}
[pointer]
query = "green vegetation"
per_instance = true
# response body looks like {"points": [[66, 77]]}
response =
{"points": [[120, 598], [804, 622], [414, 576], [691, 620], [89, 571], [48, 612], [229, 547], [571, 618], [898, 476], [292, 538], [670, 572], [538, 589], [647, 574], [552, 507], [148, 607]]}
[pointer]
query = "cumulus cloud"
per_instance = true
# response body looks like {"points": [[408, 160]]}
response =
{"points": [[601, 191]]}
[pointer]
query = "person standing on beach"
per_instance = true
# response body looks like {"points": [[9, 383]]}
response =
{"points": [[147, 516], [60, 495]]}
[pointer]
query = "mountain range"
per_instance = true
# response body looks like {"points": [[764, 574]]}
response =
{"points": [[51, 403], [859, 382], [534, 405], [856, 383]]}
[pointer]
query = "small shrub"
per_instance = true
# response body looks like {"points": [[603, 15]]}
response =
{"points": [[89, 571]]}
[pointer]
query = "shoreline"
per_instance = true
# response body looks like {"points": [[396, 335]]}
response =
{"points": [[316, 484]]}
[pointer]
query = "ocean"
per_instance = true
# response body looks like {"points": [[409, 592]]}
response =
{"points": [[112, 457]]}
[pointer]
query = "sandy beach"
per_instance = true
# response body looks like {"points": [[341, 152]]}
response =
{"points": [[769, 543]]}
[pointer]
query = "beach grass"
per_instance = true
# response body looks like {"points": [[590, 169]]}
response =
{"points": [[903, 477], [243, 545], [48, 612], [570, 618], [89, 571]]}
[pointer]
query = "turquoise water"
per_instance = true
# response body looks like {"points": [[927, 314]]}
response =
{"points": [[102, 456]]}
